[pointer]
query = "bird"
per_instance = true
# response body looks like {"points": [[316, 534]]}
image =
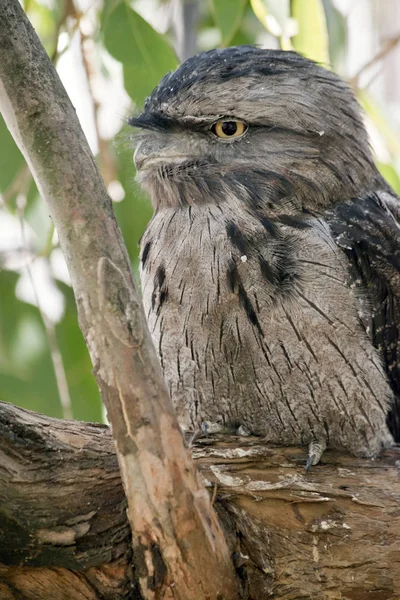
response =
{"points": [[270, 269]]}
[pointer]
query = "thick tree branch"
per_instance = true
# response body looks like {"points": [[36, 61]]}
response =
{"points": [[180, 551], [329, 534]]}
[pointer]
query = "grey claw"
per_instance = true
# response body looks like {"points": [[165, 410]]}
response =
{"points": [[310, 462], [243, 431], [204, 428], [315, 451]]}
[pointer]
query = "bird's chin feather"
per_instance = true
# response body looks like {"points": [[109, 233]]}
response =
{"points": [[196, 182]]}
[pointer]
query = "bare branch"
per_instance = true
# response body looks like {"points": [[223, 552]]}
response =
{"points": [[383, 52], [177, 540]]}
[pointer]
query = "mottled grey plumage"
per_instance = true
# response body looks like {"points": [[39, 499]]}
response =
{"points": [[271, 266]]}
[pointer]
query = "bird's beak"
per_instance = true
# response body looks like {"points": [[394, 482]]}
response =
{"points": [[157, 150]]}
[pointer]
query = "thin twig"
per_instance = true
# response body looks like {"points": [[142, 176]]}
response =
{"points": [[107, 164], [21, 180], [55, 353], [383, 52]]}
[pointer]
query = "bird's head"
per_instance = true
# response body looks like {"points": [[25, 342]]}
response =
{"points": [[271, 128]]}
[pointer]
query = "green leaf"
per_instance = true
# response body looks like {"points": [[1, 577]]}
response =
{"points": [[26, 370], [144, 53], [390, 174], [45, 21], [337, 34], [228, 16], [312, 39], [85, 397]]}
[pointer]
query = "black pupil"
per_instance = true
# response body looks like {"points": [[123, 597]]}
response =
{"points": [[229, 127]]}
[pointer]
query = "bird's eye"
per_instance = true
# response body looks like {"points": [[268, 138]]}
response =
{"points": [[229, 129]]}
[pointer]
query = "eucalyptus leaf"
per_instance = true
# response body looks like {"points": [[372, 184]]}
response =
{"points": [[312, 38], [145, 54], [228, 15]]}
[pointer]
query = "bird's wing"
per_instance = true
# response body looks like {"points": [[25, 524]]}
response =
{"points": [[368, 230]]}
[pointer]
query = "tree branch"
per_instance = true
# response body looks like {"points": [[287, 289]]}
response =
{"points": [[331, 533], [179, 547]]}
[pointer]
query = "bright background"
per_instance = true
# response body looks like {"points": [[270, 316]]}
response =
{"points": [[109, 55]]}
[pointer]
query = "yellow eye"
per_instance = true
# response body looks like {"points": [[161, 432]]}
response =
{"points": [[229, 129]]}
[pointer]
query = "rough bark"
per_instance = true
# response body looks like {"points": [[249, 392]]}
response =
{"points": [[179, 547], [332, 533]]}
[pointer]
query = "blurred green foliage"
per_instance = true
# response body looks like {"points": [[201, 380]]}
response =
{"points": [[31, 340]]}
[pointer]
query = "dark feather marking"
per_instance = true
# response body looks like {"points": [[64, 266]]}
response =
{"points": [[284, 425], [238, 331], [285, 399], [159, 287], [343, 388], [324, 273], [316, 263], [268, 224], [145, 253], [197, 359], [178, 364], [236, 286], [312, 407], [263, 347], [212, 383], [159, 277], [367, 385], [334, 169], [209, 226], [311, 428], [341, 408], [186, 320], [316, 308], [338, 350], [301, 337], [268, 272], [297, 222], [221, 332], [218, 281], [361, 408], [330, 276], [160, 351], [182, 292], [163, 297], [286, 355], [237, 238]]}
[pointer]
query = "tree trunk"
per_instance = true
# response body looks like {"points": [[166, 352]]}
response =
{"points": [[332, 533]]}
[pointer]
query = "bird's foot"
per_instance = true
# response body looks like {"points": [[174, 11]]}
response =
{"points": [[243, 431], [315, 451], [206, 429]]}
